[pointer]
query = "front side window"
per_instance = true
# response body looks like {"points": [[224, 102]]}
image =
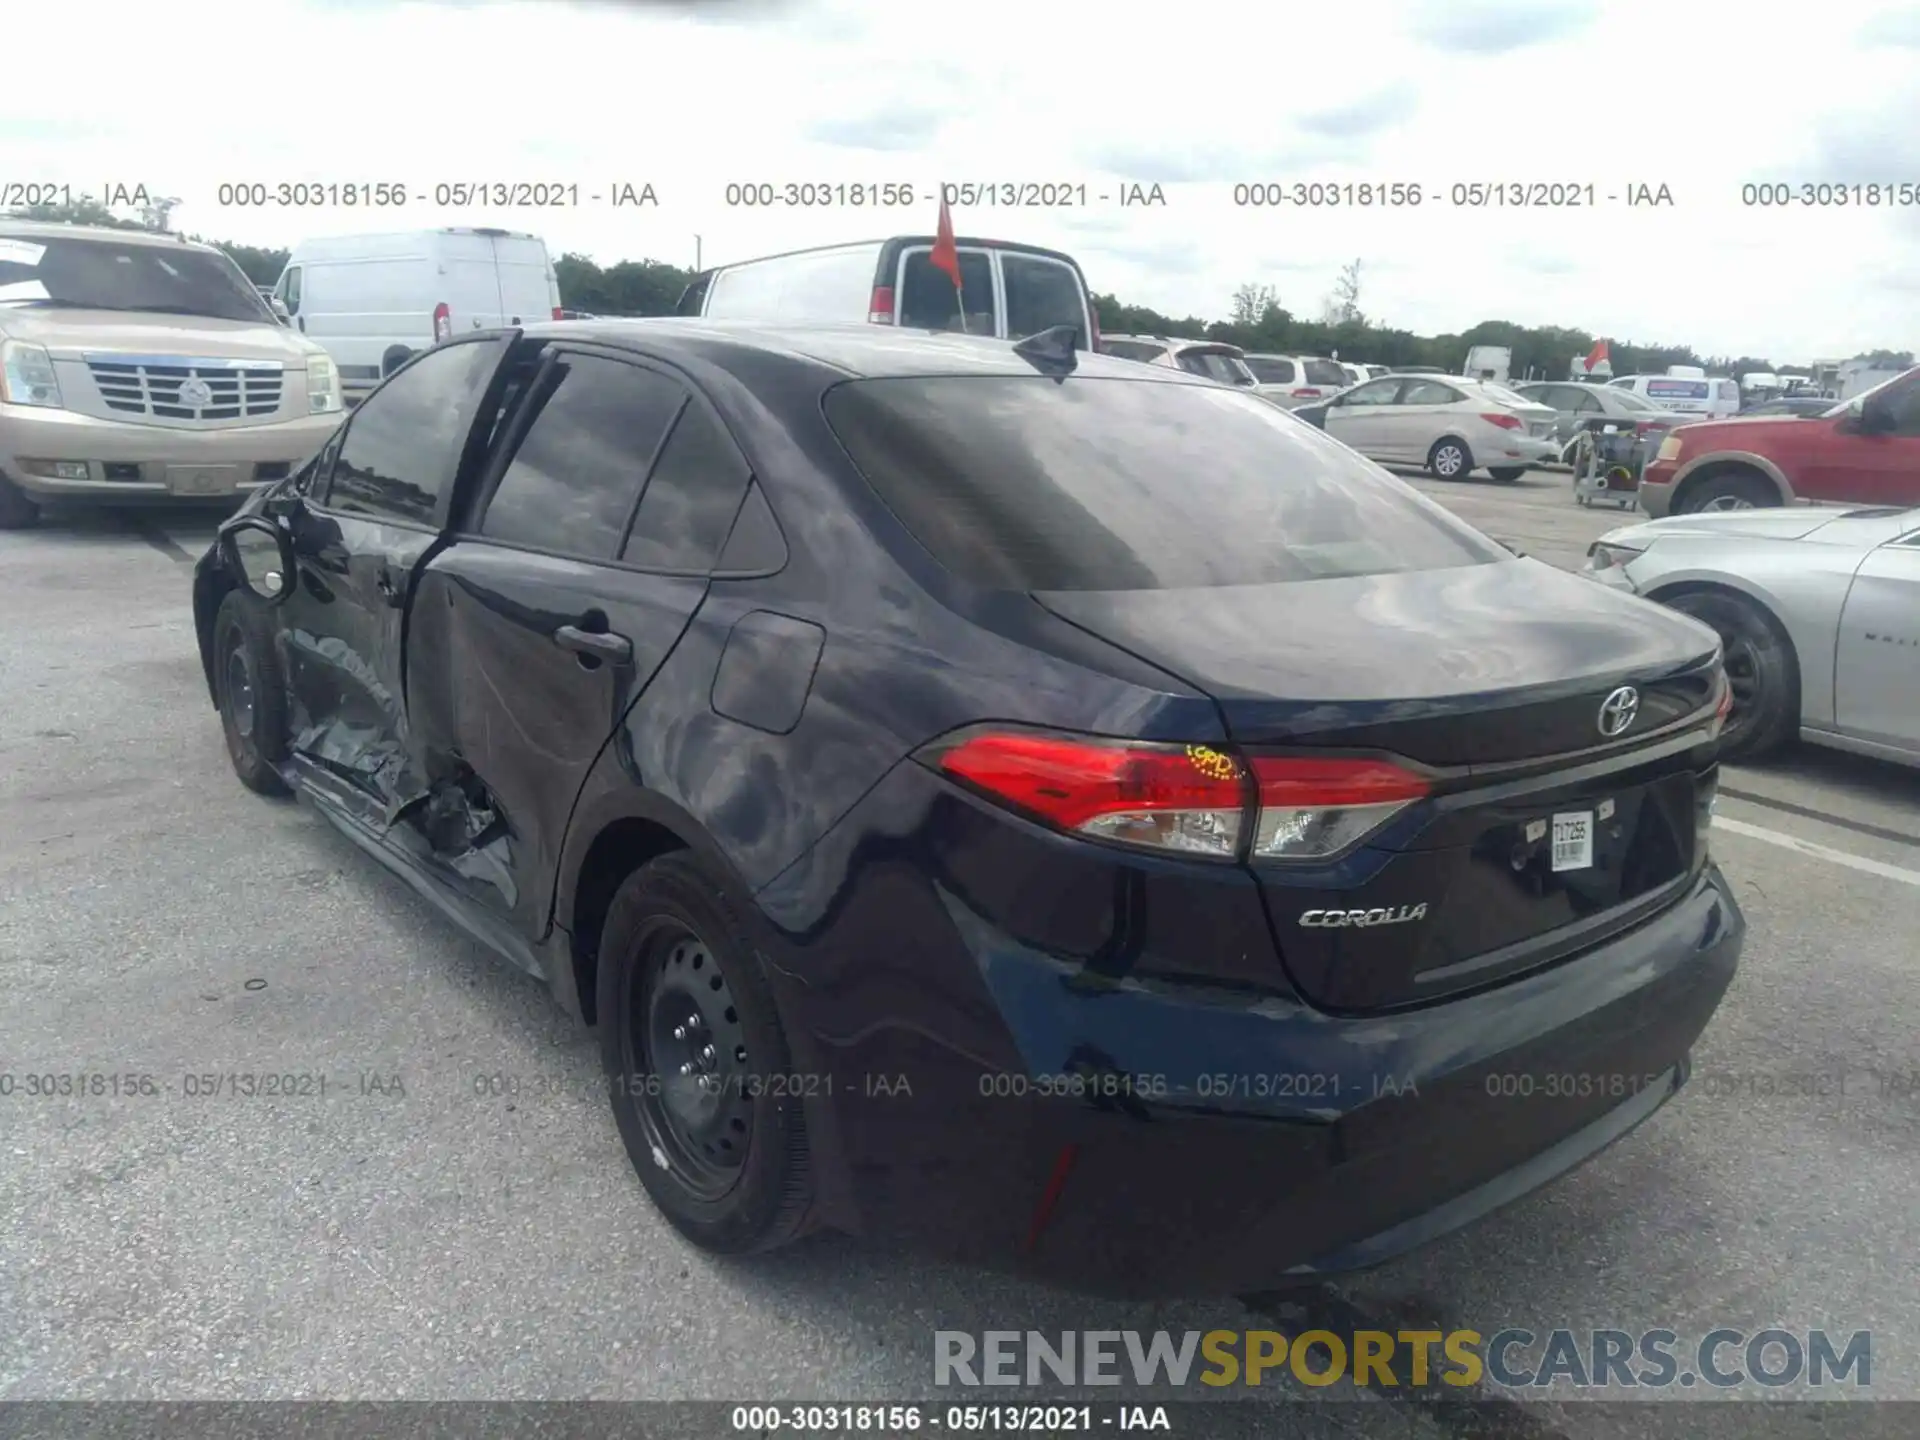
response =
{"points": [[573, 480], [1021, 483], [1377, 392], [403, 445]]}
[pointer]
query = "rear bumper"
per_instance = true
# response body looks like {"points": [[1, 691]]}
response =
{"points": [[1034, 1110], [32, 442], [1521, 450]]}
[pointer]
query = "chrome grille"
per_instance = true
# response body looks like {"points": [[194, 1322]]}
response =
{"points": [[177, 387]]}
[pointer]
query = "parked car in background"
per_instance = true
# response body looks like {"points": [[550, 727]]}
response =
{"points": [[1793, 405], [1706, 396], [1294, 380], [1450, 425], [1011, 290], [1584, 407], [375, 301], [135, 364], [690, 666], [1818, 612], [1209, 359], [1865, 450]]}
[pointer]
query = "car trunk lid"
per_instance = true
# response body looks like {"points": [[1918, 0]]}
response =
{"points": [[1540, 832]]}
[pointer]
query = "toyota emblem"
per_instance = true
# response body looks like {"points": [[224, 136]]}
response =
{"points": [[195, 392], [1617, 711]]}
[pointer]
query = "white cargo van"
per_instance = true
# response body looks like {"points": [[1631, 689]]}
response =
{"points": [[372, 301], [1012, 290], [1705, 395]]}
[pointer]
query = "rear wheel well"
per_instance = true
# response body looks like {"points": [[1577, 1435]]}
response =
{"points": [[617, 851], [1714, 469]]}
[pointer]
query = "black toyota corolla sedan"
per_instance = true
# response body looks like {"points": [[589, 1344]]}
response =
{"points": [[1064, 812]]}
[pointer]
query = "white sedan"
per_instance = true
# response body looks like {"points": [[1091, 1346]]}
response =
{"points": [[1449, 424]]}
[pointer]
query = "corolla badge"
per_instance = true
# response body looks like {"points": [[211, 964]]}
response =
{"points": [[1380, 915], [195, 393], [1618, 710]]}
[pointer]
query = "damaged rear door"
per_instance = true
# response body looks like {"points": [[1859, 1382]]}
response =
{"points": [[572, 574], [358, 539]]}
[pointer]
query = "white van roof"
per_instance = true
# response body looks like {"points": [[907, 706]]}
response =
{"points": [[397, 242]]}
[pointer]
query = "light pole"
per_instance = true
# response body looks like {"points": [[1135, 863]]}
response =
{"points": [[696, 255]]}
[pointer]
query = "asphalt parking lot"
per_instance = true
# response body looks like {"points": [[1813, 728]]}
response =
{"points": [[410, 1235]]}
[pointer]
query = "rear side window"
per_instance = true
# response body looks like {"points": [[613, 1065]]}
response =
{"points": [[572, 483], [927, 300], [691, 498], [403, 445], [1021, 483], [1041, 294], [1325, 372], [1729, 390], [1271, 372], [1428, 392], [693, 299]]}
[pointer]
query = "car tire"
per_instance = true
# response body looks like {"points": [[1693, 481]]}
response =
{"points": [[251, 689], [1507, 474], [1450, 459], [1761, 665], [679, 978], [1729, 490], [18, 510]]}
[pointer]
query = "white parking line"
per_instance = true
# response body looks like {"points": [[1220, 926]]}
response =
{"points": [[1818, 852]]}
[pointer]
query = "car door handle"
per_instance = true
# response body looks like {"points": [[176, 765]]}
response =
{"points": [[600, 646]]}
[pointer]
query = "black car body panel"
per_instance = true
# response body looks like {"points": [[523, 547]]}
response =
{"points": [[1127, 1068]]}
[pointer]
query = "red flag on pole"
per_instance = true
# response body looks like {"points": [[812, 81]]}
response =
{"points": [[946, 256], [1597, 354]]}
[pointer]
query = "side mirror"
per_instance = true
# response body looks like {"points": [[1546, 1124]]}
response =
{"points": [[261, 554]]}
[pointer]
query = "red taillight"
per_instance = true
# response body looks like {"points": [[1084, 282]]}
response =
{"points": [[1200, 800], [1306, 393], [1723, 707], [558, 313], [442, 322], [1505, 422], [1093, 321], [880, 307]]}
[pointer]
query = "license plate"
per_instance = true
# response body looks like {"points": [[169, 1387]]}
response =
{"points": [[213, 481], [1573, 840]]}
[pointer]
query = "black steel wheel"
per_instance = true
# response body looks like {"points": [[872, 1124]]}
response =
{"points": [[1762, 670], [251, 692], [701, 1076]]}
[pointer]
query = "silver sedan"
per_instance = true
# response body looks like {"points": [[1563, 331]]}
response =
{"points": [[1818, 610]]}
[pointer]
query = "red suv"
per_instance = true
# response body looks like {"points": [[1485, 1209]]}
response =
{"points": [[1865, 450]]}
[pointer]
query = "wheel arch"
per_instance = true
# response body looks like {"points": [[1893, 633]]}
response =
{"points": [[1719, 462], [211, 586], [617, 835], [1667, 591]]}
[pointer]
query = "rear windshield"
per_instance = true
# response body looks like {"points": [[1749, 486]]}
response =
{"points": [[1324, 372], [1627, 400], [106, 275], [1029, 483], [1271, 371], [1504, 395]]}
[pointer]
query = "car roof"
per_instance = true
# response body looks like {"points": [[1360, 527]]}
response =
{"points": [[908, 242], [855, 350], [59, 230]]}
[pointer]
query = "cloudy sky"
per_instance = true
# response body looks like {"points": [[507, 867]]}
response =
{"points": [[1699, 97]]}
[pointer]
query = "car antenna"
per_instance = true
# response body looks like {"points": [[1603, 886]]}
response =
{"points": [[1051, 352]]}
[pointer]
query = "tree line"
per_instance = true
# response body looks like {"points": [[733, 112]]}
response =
{"points": [[1258, 320]]}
